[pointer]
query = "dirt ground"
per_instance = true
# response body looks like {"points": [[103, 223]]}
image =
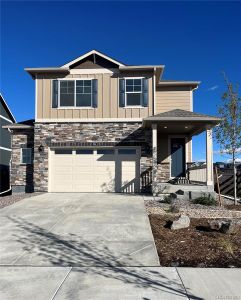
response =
{"points": [[11, 199], [233, 207], [195, 246]]}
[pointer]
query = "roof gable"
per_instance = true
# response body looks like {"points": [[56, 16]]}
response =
{"points": [[93, 59], [5, 110]]}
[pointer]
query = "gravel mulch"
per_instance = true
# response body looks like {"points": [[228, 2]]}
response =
{"points": [[194, 210], [11, 199], [195, 246]]}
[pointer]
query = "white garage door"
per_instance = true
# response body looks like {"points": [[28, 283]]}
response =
{"points": [[94, 170]]}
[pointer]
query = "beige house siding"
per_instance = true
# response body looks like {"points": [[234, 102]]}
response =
{"points": [[168, 98], [108, 99]]}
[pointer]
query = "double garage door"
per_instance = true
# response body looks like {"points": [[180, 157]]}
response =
{"points": [[94, 170]]}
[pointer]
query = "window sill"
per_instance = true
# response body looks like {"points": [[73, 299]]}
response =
{"points": [[134, 106], [82, 107]]}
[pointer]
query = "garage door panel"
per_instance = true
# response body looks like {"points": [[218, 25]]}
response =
{"points": [[59, 169], [103, 169], [82, 188], [83, 161], [62, 188], [93, 172], [83, 181]]}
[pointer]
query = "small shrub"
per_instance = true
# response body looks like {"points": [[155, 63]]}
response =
{"points": [[167, 199], [227, 245], [207, 200]]}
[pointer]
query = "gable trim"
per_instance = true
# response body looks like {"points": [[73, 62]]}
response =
{"points": [[6, 119], [7, 109], [88, 54], [92, 71]]}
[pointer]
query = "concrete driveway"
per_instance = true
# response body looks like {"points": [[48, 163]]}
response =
{"points": [[94, 246], [69, 229]]}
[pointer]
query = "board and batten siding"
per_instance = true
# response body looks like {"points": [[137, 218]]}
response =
{"points": [[169, 98], [108, 99]]}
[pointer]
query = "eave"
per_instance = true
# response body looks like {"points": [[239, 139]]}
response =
{"points": [[35, 71]]}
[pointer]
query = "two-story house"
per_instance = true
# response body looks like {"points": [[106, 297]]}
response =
{"points": [[103, 126]]}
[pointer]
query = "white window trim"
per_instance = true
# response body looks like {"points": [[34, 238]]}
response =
{"points": [[74, 107], [133, 106], [21, 157]]}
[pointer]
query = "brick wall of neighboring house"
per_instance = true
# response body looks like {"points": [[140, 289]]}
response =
{"points": [[75, 134], [21, 175]]}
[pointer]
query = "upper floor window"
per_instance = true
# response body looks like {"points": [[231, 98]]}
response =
{"points": [[74, 93], [26, 156], [133, 92]]}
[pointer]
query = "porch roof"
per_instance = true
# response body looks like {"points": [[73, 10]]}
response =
{"points": [[181, 121]]}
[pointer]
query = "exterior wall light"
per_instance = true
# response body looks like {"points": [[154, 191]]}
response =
{"points": [[41, 148]]}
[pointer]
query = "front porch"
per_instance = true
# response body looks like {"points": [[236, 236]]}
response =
{"points": [[172, 163]]}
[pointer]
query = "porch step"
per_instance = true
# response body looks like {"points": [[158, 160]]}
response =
{"points": [[185, 192], [167, 188], [190, 195]]}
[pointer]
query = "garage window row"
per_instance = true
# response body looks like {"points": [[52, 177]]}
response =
{"points": [[121, 151]]}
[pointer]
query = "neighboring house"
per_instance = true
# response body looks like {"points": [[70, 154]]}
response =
{"points": [[103, 126], [6, 118]]}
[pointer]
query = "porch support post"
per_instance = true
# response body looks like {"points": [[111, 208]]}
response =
{"points": [[154, 160], [209, 156]]}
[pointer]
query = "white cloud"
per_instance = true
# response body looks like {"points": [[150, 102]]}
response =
{"points": [[238, 160], [213, 88], [225, 151], [200, 160]]}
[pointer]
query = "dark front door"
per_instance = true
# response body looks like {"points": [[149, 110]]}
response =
{"points": [[178, 157]]}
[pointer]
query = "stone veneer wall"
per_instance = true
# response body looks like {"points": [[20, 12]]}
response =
{"points": [[75, 134], [21, 175], [163, 172], [25, 177]]}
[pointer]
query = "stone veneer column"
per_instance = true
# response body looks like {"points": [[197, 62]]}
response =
{"points": [[209, 157], [154, 159]]}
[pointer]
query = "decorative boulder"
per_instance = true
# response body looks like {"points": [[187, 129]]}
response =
{"points": [[180, 192], [218, 224], [225, 226], [182, 222]]}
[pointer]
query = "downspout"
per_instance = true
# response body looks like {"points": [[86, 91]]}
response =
{"points": [[154, 92]]}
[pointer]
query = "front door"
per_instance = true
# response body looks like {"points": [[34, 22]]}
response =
{"points": [[178, 157]]}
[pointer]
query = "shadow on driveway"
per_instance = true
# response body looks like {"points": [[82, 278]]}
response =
{"points": [[56, 250]]}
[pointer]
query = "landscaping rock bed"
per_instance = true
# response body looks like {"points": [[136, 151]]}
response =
{"points": [[195, 246], [11, 199], [192, 210]]}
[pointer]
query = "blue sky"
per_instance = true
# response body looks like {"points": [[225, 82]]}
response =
{"points": [[195, 40]]}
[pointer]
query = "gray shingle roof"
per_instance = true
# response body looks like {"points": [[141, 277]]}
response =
{"points": [[21, 125], [180, 114]]}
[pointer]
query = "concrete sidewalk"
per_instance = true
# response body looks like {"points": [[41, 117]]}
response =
{"points": [[110, 283]]}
